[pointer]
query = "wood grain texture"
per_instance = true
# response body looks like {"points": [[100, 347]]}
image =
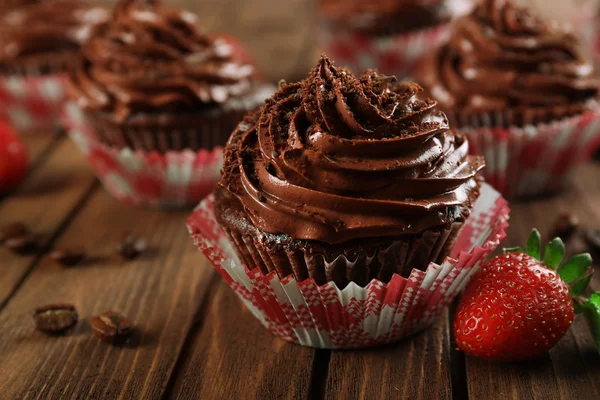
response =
{"points": [[417, 368], [160, 292], [231, 356], [43, 202]]}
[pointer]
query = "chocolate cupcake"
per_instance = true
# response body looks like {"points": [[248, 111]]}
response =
{"points": [[522, 89], [39, 42], [345, 179], [150, 85], [390, 35], [150, 80]]}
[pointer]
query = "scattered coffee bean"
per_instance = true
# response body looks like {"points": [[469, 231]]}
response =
{"points": [[55, 318], [11, 231], [592, 238], [564, 226], [111, 327], [132, 246], [24, 244], [68, 257]]}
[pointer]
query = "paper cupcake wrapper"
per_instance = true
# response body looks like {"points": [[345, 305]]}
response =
{"points": [[396, 54], [529, 161], [172, 179], [32, 104], [327, 317]]}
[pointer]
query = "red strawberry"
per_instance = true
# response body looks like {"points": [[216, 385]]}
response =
{"points": [[13, 158], [519, 307]]}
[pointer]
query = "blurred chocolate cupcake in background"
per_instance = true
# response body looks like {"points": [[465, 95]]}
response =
{"points": [[523, 90], [153, 101], [390, 35], [39, 42]]}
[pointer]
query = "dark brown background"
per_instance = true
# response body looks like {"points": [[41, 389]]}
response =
{"points": [[195, 339]]}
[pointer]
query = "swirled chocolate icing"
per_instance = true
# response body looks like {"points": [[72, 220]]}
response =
{"points": [[391, 16], [151, 58], [504, 58], [33, 28], [337, 157]]}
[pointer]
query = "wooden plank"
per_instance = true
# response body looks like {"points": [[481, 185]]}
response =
{"points": [[231, 356], [275, 32], [160, 292], [416, 368], [571, 370], [44, 203], [38, 145]]}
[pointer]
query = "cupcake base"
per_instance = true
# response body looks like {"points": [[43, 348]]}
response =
{"points": [[146, 178], [359, 261], [325, 316]]}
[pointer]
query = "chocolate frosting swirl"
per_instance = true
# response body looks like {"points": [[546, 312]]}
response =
{"points": [[34, 27], [334, 158], [151, 58], [392, 16], [502, 56]]}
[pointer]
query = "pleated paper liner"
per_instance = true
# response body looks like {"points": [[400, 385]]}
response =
{"points": [[536, 159], [32, 104], [374, 258], [397, 54], [324, 316], [146, 178]]}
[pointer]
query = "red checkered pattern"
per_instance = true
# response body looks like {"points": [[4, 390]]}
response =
{"points": [[177, 178], [32, 104], [327, 317], [533, 160], [398, 55]]}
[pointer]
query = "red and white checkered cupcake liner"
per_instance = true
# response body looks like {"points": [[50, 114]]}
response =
{"points": [[393, 55], [32, 104], [327, 317], [173, 179], [534, 160]]}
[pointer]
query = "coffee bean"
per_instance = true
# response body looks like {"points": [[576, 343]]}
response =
{"points": [[592, 238], [55, 318], [564, 226], [24, 244], [132, 246], [68, 257], [11, 231], [111, 327]]}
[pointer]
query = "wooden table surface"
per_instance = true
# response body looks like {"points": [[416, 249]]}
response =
{"points": [[196, 340]]}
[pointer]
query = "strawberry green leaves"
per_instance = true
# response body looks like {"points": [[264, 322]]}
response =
{"points": [[534, 244], [579, 287], [591, 310], [575, 267], [554, 253]]}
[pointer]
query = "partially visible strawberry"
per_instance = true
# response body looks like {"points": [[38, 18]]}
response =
{"points": [[518, 307], [14, 162]]}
